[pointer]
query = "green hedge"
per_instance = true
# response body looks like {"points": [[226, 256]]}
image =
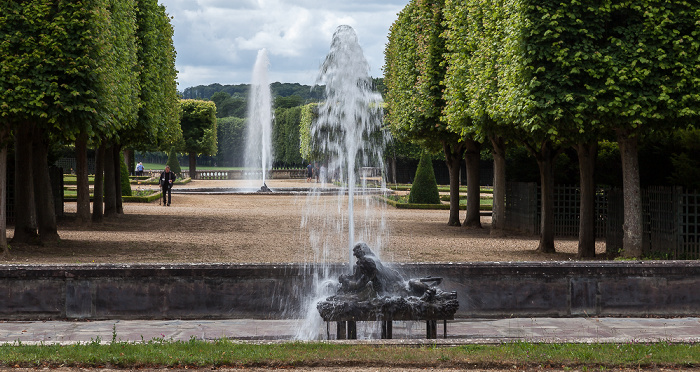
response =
{"points": [[424, 190]]}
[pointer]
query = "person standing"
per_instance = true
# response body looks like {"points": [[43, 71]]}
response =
{"points": [[309, 172], [139, 169], [166, 184]]}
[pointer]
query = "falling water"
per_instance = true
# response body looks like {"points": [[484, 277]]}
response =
{"points": [[259, 143], [348, 143]]}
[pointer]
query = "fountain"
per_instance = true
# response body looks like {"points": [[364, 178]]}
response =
{"points": [[259, 139], [349, 142]]}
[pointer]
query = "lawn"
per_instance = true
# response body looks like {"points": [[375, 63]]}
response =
{"points": [[221, 353]]}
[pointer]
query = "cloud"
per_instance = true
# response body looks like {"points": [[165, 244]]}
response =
{"points": [[217, 40]]}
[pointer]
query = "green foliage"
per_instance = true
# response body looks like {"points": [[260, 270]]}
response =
{"points": [[124, 176], [414, 74], [226, 105], [288, 102], [285, 136], [173, 162], [231, 141], [568, 70], [306, 92], [198, 123], [54, 64], [124, 83], [159, 113], [308, 114], [424, 189]]}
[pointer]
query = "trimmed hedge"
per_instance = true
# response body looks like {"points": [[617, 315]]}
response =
{"points": [[424, 189]]}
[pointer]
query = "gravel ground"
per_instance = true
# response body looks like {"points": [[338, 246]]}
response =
{"points": [[276, 229]]}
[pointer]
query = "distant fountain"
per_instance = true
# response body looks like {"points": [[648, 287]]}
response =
{"points": [[258, 153], [348, 145]]}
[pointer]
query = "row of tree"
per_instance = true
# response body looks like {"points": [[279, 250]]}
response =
{"points": [[88, 73], [549, 75]]}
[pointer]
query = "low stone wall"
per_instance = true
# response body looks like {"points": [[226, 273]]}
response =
{"points": [[211, 291]]}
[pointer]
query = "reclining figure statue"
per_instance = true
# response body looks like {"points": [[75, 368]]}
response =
{"points": [[376, 292]]}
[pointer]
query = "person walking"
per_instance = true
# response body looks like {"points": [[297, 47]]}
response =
{"points": [[166, 184]]}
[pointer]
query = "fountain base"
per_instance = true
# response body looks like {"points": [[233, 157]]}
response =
{"points": [[264, 188], [378, 293]]}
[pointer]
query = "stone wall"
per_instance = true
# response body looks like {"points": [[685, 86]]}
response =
{"points": [[211, 291]]}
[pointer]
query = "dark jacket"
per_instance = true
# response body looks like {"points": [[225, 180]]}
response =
{"points": [[165, 178]]}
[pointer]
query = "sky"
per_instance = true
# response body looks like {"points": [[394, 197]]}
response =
{"points": [[217, 41]]}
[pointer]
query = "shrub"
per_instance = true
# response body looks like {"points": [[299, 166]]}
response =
{"points": [[173, 162], [424, 189], [125, 184]]}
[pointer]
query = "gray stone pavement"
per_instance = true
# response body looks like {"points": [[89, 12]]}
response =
{"points": [[462, 331]]}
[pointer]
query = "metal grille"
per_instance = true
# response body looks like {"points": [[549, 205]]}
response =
{"points": [[689, 221]]}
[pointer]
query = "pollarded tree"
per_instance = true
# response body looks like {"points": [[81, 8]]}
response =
{"points": [[124, 100], [519, 72], [471, 82], [198, 123], [158, 123], [563, 38], [413, 76], [652, 81], [54, 78]]}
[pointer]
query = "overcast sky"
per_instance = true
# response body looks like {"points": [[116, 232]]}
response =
{"points": [[217, 40]]}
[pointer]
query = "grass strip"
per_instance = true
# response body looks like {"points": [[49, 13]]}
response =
{"points": [[441, 188], [195, 353]]}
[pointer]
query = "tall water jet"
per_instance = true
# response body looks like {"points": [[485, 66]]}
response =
{"points": [[348, 128], [347, 146], [259, 143]]}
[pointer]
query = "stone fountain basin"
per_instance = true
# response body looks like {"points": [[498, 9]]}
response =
{"points": [[278, 291]]}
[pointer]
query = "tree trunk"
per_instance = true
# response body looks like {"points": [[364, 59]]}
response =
{"points": [[97, 208], [586, 162], [129, 161], [118, 178], [43, 195], [453, 158], [193, 165], [3, 193], [545, 160], [632, 227], [498, 212], [25, 210], [83, 184], [472, 156], [110, 190]]}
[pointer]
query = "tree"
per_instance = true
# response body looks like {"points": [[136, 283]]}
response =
{"points": [[230, 141], [173, 162], [413, 77], [649, 66], [55, 59], [198, 125], [424, 189], [158, 118], [471, 83]]}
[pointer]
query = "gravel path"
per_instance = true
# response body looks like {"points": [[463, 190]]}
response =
{"points": [[268, 228]]}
